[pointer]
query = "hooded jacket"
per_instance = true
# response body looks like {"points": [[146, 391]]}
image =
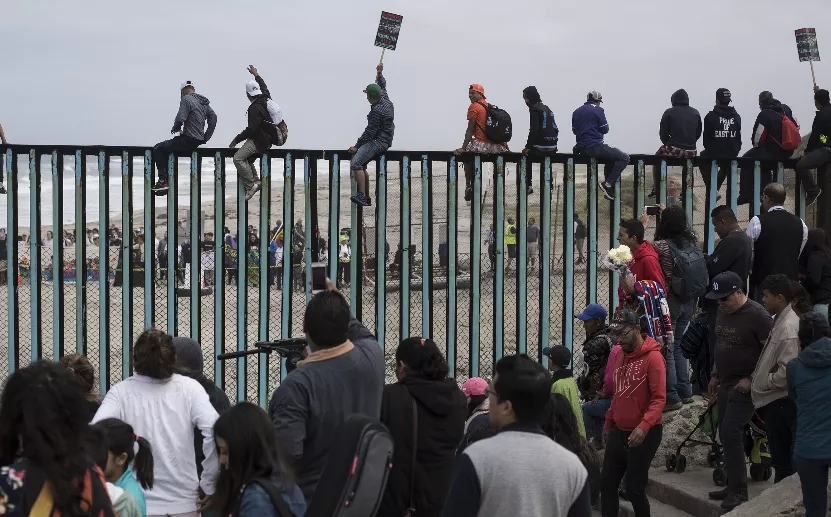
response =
{"points": [[645, 266], [194, 110], [442, 410], [809, 382], [722, 132], [588, 123], [260, 130], [820, 130], [817, 279], [565, 385], [596, 351], [640, 389], [767, 131], [190, 363], [681, 124], [768, 381], [542, 131]]}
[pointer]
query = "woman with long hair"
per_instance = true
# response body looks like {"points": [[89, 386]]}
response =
{"points": [[84, 374], [425, 406], [560, 424], [801, 302], [252, 467], [127, 468], [672, 235], [45, 467], [815, 263], [164, 407]]}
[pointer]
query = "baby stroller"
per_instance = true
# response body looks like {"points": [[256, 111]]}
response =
{"points": [[755, 448]]}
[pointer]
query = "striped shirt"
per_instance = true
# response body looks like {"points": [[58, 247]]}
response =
{"points": [[380, 126]]}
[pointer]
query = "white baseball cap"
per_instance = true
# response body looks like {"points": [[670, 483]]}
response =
{"points": [[187, 84], [252, 88]]}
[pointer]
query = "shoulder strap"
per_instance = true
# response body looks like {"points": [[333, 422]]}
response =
{"points": [[415, 449], [277, 501]]}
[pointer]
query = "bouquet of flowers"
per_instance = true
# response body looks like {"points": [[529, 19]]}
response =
{"points": [[618, 259]]}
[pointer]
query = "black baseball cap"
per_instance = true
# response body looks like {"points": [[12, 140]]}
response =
{"points": [[724, 96], [623, 320], [724, 284], [559, 355]]}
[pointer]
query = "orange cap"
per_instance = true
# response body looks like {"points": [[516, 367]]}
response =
{"points": [[478, 88]]}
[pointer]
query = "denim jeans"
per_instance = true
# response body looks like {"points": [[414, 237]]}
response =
{"points": [[594, 416], [606, 154], [678, 368], [162, 150], [821, 308], [819, 159], [813, 474]]}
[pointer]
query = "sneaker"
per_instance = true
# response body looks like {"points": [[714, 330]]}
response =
{"points": [[732, 501], [2, 189], [687, 400], [361, 200], [651, 194], [254, 189], [608, 190], [723, 494], [810, 199], [160, 188], [530, 190], [469, 193], [673, 407]]}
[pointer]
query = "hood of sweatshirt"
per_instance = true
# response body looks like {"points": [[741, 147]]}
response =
{"points": [[680, 98], [724, 110], [201, 99], [646, 249], [188, 355], [818, 354], [649, 345], [437, 397], [532, 95]]}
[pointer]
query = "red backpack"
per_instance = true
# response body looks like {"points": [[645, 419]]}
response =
{"points": [[790, 135]]}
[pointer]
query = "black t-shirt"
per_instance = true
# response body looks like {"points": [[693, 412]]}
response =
{"points": [[740, 337]]}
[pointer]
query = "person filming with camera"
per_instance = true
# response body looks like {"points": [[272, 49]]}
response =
{"points": [[343, 375]]}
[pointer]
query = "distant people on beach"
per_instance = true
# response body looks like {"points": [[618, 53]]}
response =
{"points": [[194, 111], [376, 138]]}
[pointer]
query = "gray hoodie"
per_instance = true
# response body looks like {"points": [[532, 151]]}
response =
{"points": [[193, 110]]}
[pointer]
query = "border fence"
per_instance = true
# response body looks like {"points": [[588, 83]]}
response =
{"points": [[93, 296]]}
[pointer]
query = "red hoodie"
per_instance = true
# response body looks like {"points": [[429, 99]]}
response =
{"points": [[640, 389], [645, 266]]}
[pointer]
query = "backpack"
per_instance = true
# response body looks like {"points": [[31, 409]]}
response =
{"points": [[790, 135], [689, 271], [355, 475], [498, 126], [274, 495]]}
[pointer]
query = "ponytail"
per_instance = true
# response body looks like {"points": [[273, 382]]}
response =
{"points": [[143, 463]]}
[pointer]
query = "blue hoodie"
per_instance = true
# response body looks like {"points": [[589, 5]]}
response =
{"points": [[809, 383], [128, 482], [588, 122]]}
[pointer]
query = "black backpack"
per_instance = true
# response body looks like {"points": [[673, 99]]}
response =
{"points": [[356, 472], [498, 126], [689, 271]]}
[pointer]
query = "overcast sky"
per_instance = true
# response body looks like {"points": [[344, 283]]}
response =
{"points": [[108, 71]]}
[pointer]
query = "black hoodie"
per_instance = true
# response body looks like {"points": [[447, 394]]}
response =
{"points": [[767, 131], [723, 132], [442, 410], [542, 132], [681, 124], [820, 130]]}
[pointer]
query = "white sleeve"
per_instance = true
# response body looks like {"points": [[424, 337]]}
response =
{"points": [[110, 407], [804, 237], [203, 415]]}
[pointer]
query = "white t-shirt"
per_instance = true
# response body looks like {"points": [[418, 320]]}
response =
{"points": [[165, 413]]}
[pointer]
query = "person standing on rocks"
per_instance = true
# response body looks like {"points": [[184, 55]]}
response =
{"points": [[769, 386], [633, 429], [809, 382], [742, 327]]}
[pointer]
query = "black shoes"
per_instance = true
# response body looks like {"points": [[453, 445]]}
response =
{"points": [[361, 200], [811, 197], [160, 188], [608, 190], [728, 500]]}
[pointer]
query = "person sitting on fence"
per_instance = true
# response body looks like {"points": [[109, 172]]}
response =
{"points": [[588, 123], [164, 407], [194, 111], [542, 131], [680, 130], [84, 374], [818, 152], [344, 375], [376, 138], [255, 480], [426, 393], [44, 461], [559, 358], [129, 470], [722, 139]]}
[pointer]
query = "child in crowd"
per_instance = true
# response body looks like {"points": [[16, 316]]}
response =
{"points": [[126, 469], [559, 357], [123, 501]]}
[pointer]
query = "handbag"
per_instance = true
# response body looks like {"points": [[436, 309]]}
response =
{"points": [[410, 511]]}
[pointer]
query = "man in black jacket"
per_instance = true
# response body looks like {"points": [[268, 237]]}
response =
{"points": [[767, 140], [818, 152], [596, 349], [542, 131], [258, 135], [680, 131], [722, 137]]}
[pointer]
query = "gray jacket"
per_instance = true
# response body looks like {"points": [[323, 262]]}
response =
{"points": [[194, 109]]}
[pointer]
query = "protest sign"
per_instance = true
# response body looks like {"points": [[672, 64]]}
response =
{"points": [[388, 29], [807, 48]]}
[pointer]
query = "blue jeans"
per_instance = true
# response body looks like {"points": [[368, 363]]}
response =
{"points": [[678, 368], [594, 416], [814, 477], [821, 308], [606, 154], [162, 150]]}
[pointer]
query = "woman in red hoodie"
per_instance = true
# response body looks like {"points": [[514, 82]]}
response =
{"points": [[633, 422]]}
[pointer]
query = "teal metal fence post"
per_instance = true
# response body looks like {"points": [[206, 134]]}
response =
{"points": [[687, 190], [264, 312], [614, 277], [288, 214], [35, 262], [522, 261], [568, 258], [733, 191], [475, 266], [242, 290], [307, 221], [591, 252], [12, 261], [712, 201], [126, 264], [404, 313], [195, 278], [172, 244], [356, 263], [545, 277], [104, 273], [58, 325], [661, 188], [81, 269], [380, 249], [219, 267], [640, 183], [452, 266], [476, 258], [755, 202], [427, 249], [334, 216], [149, 244]]}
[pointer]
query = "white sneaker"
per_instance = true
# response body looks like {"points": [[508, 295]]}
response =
{"points": [[254, 189]]}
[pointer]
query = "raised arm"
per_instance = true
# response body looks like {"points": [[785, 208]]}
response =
{"points": [[253, 71]]}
